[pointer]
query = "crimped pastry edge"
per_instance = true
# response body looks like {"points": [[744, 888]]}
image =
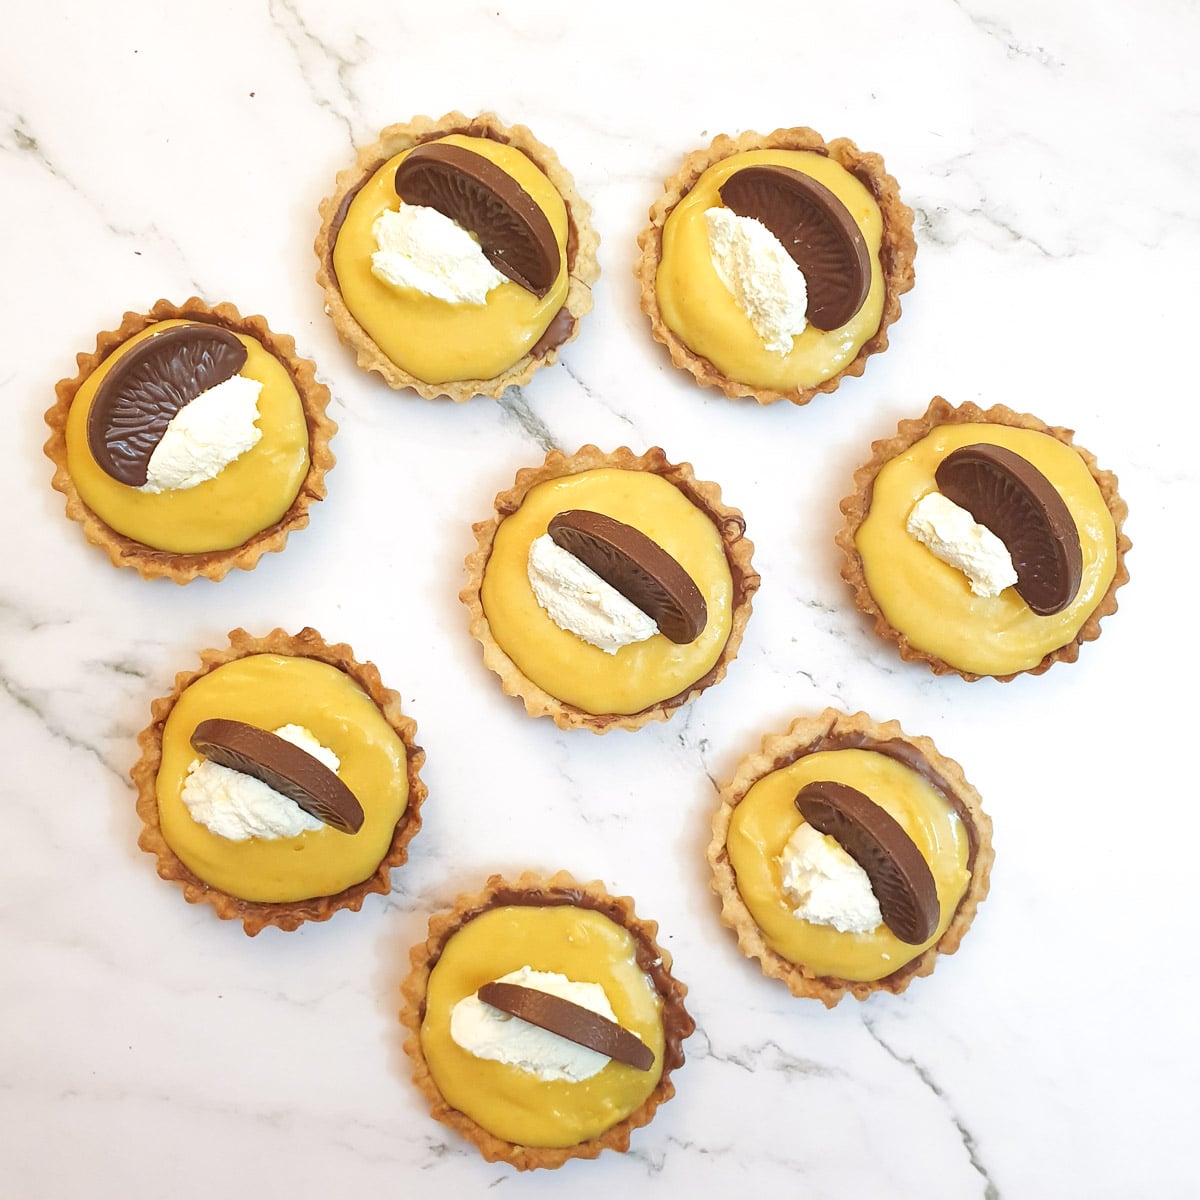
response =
{"points": [[583, 270], [424, 956], [286, 915], [706, 496], [776, 751], [150, 563], [910, 431], [897, 251]]}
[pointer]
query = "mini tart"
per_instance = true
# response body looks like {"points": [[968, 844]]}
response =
{"points": [[364, 190], [926, 792], [213, 527], [925, 606], [270, 681], [575, 929], [559, 675], [819, 361]]}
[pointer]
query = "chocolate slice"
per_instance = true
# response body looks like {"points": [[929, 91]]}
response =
{"points": [[638, 567], [281, 765], [514, 234], [148, 385], [900, 877], [569, 1020], [817, 231], [1011, 497]]}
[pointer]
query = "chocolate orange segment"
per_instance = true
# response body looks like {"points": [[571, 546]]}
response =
{"points": [[817, 231], [281, 765], [900, 877], [638, 567], [1011, 497], [513, 232], [569, 1020], [148, 385]]}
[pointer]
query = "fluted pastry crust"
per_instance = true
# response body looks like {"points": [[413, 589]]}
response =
{"points": [[152, 563]]}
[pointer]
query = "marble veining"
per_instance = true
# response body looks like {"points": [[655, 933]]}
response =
{"points": [[1049, 154]]}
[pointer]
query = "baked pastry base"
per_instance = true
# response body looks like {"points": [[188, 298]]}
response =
{"points": [[214, 564], [908, 433], [836, 730], [896, 252], [255, 915], [560, 888], [706, 496], [582, 242]]}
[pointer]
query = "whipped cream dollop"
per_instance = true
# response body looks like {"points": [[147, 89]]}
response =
{"points": [[761, 276], [205, 436], [825, 885], [422, 248], [954, 536], [489, 1033], [578, 600], [237, 806]]}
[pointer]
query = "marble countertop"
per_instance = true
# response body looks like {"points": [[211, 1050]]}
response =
{"points": [[1049, 153]]}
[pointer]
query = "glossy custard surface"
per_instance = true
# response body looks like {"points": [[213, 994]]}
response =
{"points": [[269, 691], [566, 666], [250, 494], [514, 1104], [767, 816], [931, 602], [702, 312], [430, 338]]}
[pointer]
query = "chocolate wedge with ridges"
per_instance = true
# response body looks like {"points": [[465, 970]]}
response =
{"points": [[513, 232], [900, 877], [569, 1020], [148, 385], [637, 566], [287, 768], [1011, 497], [817, 231]]}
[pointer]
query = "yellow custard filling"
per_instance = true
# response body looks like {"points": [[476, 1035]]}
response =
{"points": [[702, 312], [931, 602], [432, 339], [636, 676], [586, 947], [767, 817], [248, 495], [270, 691]]}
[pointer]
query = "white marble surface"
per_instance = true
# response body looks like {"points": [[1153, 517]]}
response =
{"points": [[147, 1049]]}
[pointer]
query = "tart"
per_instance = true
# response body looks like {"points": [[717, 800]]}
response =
{"points": [[121, 453], [301, 869], [925, 605], [551, 667], [491, 184], [816, 949], [830, 210], [531, 1115]]}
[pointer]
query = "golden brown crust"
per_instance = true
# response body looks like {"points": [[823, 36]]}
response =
{"points": [[908, 433], [897, 251], [833, 729], [706, 496], [582, 264], [214, 564], [561, 888], [256, 916]]}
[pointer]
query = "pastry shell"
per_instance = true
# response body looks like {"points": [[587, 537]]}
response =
{"points": [[583, 267], [149, 562], [287, 915], [857, 506], [833, 729], [896, 252], [705, 496], [534, 888]]}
